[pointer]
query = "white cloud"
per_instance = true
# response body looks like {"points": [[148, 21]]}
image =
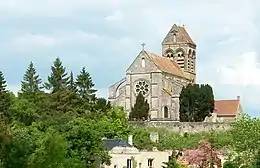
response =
{"points": [[116, 16], [241, 70], [30, 41]]}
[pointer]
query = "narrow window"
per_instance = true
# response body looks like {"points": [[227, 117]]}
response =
{"points": [[150, 163], [129, 163], [143, 62], [166, 111]]}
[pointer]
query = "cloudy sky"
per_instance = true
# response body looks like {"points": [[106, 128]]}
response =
{"points": [[105, 37]]}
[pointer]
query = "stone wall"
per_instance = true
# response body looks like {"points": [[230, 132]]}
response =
{"points": [[183, 127]]}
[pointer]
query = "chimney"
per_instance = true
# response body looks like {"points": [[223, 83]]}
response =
{"points": [[130, 140], [238, 97]]}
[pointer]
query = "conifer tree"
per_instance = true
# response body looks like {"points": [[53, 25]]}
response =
{"points": [[58, 79], [85, 86], [72, 86], [31, 81], [196, 102], [140, 111], [5, 99]]}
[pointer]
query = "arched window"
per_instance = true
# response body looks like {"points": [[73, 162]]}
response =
{"points": [[180, 57], [166, 112], [143, 62], [169, 53]]}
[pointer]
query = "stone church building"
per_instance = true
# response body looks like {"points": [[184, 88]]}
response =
{"points": [[159, 78]]}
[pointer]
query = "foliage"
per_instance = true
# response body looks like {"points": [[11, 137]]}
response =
{"points": [[5, 99], [256, 161], [85, 86], [245, 139], [58, 79], [140, 111], [196, 103], [31, 82], [229, 164], [203, 156]]}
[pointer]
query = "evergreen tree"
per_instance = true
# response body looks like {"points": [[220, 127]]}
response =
{"points": [[5, 99], [140, 111], [72, 86], [31, 81], [196, 102], [85, 86], [58, 79]]}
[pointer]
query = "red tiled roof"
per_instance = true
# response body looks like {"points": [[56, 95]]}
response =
{"points": [[182, 35], [226, 107], [166, 65], [185, 35]]}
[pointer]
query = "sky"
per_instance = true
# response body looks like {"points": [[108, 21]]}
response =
{"points": [[105, 37]]}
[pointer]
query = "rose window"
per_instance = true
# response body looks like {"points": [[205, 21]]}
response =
{"points": [[142, 86]]}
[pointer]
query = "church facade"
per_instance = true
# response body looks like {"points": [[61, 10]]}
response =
{"points": [[159, 78]]}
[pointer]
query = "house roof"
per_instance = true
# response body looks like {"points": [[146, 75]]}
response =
{"points": [[226, 107], [111, 143], [182, 36], [166, 65]]}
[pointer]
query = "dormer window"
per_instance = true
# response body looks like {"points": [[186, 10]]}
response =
{"points": [[143, 62]]}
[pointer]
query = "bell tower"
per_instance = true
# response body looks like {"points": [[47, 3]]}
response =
{"points": [[179, 47]]}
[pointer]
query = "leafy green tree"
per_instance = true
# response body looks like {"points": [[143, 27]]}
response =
{"points": [[51, 151], [245, 139], [196, 102], [85, 86], [24, 111], [140, 111], [58, 79], [31, 81], [85, 140], [5, 99]]}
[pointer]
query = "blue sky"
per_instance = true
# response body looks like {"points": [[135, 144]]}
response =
{"points": [[105, 37]]}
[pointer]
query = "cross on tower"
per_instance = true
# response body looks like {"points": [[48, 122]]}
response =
{"points": [[143, 44]]}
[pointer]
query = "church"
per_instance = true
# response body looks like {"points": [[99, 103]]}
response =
{"points": [[160, 78]]}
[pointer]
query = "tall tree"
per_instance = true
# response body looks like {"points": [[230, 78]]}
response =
{"points": [[85, 85], [196, 102], [58, 79], [5, 98], [31, 81], [72, 86], [140, 111]]}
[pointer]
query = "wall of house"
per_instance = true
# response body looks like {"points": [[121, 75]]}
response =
{"points": [[120, 155]]}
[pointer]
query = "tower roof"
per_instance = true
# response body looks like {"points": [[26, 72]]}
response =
{"points": [[182, 36]]}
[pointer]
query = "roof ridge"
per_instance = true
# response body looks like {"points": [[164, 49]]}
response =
{"points": [[150, 54]]}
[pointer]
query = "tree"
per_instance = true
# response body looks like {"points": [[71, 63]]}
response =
{"points": [[205, 155], [58, 79], [196, 102], [245, 135], [103, 105], [51, 152], [5, 99], [72, 86], [31, 81], [140, 111], [85, 86]]}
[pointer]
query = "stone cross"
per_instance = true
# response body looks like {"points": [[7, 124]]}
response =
{"points": [[143, 44]]}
